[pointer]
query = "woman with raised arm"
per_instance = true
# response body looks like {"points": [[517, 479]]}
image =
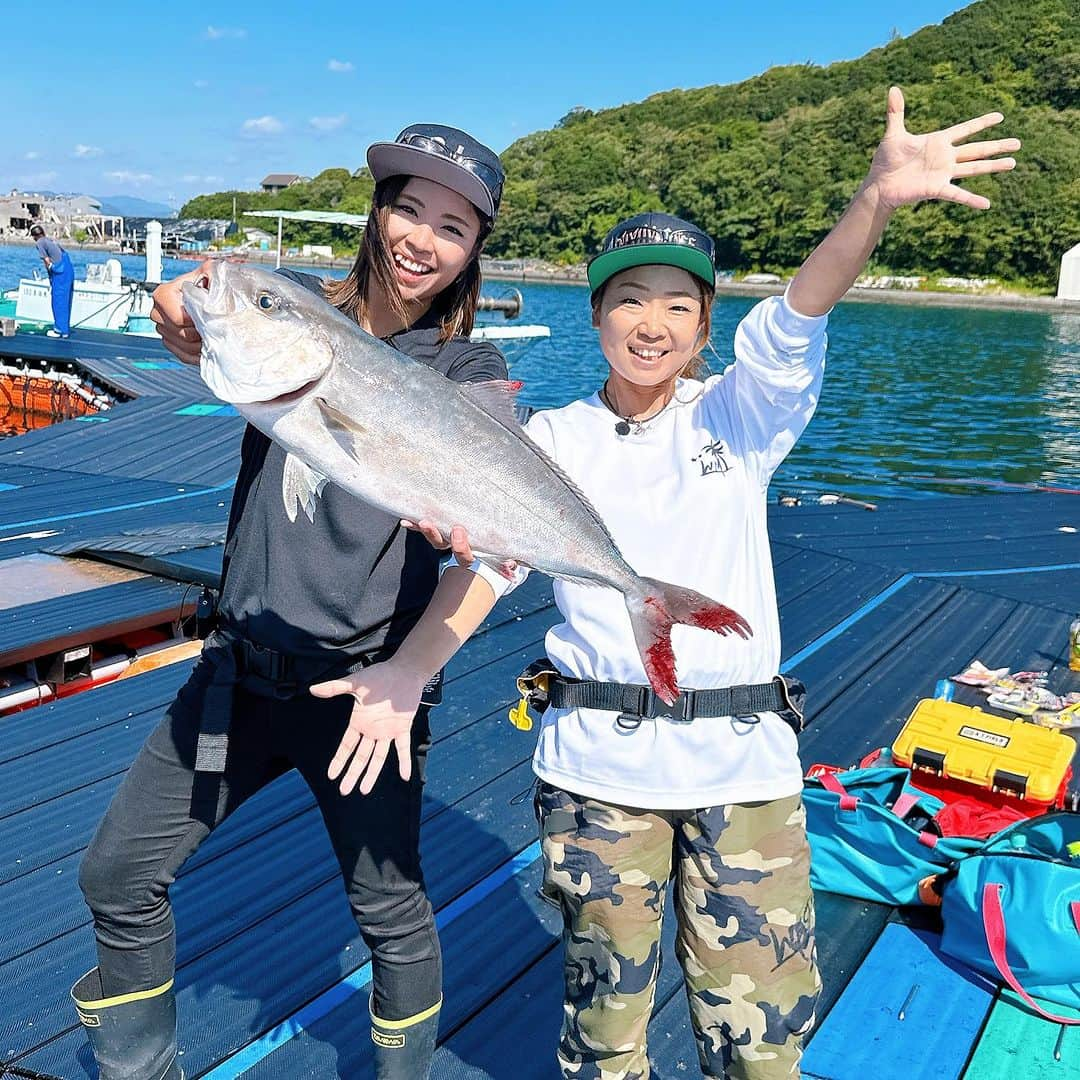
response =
{"points": [[706, 793]]}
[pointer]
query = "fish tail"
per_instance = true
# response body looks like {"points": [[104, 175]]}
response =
{"points": [[655, 607]]}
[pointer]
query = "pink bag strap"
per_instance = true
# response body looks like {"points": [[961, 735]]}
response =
{"points": [[994, 926], [830, 783], [905, 804], [901, 808]]}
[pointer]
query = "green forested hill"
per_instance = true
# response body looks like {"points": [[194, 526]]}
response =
{"points": [[768, 164]]}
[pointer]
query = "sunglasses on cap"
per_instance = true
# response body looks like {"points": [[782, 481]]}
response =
{"points": [[636, 234], [483, 172]]}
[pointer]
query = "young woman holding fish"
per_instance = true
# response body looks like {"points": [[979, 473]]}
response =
{"points": [[303, 602], [707, 792]]}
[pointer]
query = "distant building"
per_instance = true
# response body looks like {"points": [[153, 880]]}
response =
{"points": [[1069, 279], [18, 213], [62, 216], [276, 182]]}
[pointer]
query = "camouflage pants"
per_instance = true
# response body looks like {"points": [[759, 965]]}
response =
{"points": [[745, 933]]}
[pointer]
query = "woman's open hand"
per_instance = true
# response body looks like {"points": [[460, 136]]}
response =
{"points": [[908, 168], [385, 701]]}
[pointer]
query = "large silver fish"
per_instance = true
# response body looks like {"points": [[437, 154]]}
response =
{"points": [[351, 409]]}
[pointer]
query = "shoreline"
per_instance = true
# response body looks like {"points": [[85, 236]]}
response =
{"points": [[534, 275], [911, 297]]}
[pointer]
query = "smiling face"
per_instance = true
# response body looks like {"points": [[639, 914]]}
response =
{"points": [[432, 234], [650, 320]]}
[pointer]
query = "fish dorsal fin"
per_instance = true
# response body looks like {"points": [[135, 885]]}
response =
{"points": [[497, 397], [301, 485]]}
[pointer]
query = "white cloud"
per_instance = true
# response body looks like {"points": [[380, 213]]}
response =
{"points": [[264, 125], [84, 151], [329, 123], [340, 65], [195, 178], [126, 176], [32, 155], [200, 84], [217, 33], [213, 179]]}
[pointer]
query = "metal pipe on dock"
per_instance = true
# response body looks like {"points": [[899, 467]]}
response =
{"points": [[510, 305]]}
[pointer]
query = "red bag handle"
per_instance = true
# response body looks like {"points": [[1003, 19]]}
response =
{"points": [[830, 783], [994, 926]]}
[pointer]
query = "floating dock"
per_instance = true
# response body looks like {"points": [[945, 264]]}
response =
{"points": [[272, 974]]}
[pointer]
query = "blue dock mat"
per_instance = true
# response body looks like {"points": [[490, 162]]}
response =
{"points": [[83, 344], [907, 1007], [480, 773], [44, 494], [478, 751], [1059, 590], [1017, 1044], [152, 438], [254, 976], [70, 506]]}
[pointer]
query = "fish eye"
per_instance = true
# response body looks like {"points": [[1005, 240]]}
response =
{"points": [[267, 302]]}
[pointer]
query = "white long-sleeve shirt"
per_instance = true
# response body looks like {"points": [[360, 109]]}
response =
{"points": [[685, 501]]}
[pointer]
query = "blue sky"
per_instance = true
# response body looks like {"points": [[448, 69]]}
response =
{"points": [[164, 102]]}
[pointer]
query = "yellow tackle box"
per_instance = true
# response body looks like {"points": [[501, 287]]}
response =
{"points": [[944, 741]]}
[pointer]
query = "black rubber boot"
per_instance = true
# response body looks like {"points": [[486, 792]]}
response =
{"points": [[404, 1048], [133, 1036]]}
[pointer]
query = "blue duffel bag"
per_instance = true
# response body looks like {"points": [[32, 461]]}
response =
{"points": [[869, 835], [1012, 910]]}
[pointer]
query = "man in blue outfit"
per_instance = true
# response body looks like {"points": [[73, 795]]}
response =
{"points": [[61, 280]]}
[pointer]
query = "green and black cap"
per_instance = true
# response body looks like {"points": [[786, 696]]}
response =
{"points": [[650, 239]]}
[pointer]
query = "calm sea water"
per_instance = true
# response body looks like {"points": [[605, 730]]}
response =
{"points": [[917, 401]]}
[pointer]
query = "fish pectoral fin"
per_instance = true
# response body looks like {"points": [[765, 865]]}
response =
{"points": [[337, 421], [344, 429], [301, 485], [497, 397]]}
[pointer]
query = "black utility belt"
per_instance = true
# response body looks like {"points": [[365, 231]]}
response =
{"points": [[541, 685]]}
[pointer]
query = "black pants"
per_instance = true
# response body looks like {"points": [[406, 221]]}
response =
{"points": [[164, 810]]}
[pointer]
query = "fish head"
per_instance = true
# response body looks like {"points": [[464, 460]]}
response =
{"points": [[262, 336]]}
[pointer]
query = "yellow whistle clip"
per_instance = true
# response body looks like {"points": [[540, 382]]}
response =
{"points": [[519, 716]]}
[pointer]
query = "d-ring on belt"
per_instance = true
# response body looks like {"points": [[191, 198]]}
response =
{"points": [[541, 686]]}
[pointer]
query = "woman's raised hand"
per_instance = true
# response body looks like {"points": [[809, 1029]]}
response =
{"points": [[178, 333], [908, 168]]}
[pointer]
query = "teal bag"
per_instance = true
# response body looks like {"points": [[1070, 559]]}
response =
{"points": [[868, 835], [1012, 910]]}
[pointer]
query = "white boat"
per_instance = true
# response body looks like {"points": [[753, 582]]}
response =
{"points": [[102, 301], [511, 341]]}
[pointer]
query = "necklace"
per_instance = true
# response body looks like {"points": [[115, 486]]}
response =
{"points": [[623, 426]]}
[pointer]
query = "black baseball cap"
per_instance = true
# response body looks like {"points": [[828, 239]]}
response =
{"points": [[652, 238], [448, 156]]}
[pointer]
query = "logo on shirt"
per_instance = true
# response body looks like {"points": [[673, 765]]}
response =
{"points": [[712, 460]]}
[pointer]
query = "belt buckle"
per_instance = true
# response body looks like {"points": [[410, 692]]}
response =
{"points": [[682, 711]]}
